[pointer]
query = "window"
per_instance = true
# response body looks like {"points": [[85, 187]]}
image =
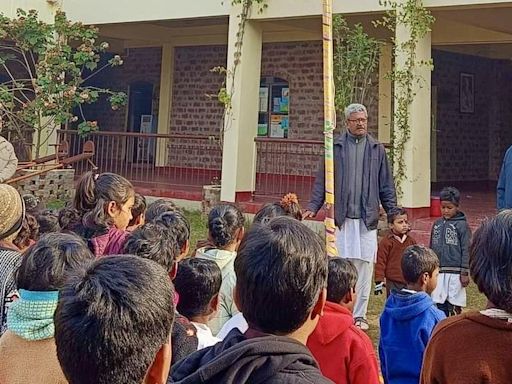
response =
{"points": [[273, 118]]}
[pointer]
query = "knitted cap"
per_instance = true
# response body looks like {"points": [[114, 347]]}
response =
{"points": [[11, 210]]}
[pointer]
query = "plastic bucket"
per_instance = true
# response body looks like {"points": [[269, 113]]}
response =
{"points": [[435, 206]]}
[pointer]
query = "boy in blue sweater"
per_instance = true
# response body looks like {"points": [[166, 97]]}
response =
{"points": [[409, 318]]}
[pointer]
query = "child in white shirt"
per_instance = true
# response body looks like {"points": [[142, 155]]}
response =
{"points": [[198, 284]]}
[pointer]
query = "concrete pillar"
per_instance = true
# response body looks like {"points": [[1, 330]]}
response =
{"points": [[48, 136], [165, 103], [385, 92], [240, 125], [416, 185]]}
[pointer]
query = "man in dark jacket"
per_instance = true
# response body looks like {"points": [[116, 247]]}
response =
{"points": [[504, 198], [281, 272], [363, 179]]}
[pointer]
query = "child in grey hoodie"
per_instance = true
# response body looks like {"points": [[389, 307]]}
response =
{"points": [[450, 240], [225, 231]]}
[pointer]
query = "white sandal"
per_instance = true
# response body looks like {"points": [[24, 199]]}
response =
{"points": [[361, 323]]}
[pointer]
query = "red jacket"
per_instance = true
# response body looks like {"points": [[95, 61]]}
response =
{"points": [[344, 352]]}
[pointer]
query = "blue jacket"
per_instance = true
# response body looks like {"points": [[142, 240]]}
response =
{"points": [[406, 325], [378, 184], [504, 198]]}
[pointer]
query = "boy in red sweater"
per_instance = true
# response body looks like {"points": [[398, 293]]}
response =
{"points": [[344, 352], [388, 270]]}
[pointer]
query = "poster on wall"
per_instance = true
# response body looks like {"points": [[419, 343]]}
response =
{"points": [[276, 127], [263, 99], [467, 93]]}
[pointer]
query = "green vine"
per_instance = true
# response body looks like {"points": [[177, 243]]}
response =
{"points": [[356, 57], [225, 96], [418, 21]]}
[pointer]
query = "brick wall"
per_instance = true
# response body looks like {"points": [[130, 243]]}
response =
{"points": [[470, 145], [140, 65]]}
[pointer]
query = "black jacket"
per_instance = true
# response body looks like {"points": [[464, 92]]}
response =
{"points": [[236, 360], [450, 241], [378, 185]]}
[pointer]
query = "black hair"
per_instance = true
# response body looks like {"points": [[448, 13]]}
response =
{"points": [[112, 319], [341, 279], [394, 213], [69, 218], [223, 222], [157, 207], [490, 260], [450, 194], [33, 205], [177, 225], [281, 269], [197, 282], [288, 206], [48, 222], [46, 264], [29, 232], [138, 209], [154, 242], [416, 260], [95, 192]]}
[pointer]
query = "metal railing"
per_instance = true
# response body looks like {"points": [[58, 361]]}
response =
{"points": [[285, 165], [151, 159]]}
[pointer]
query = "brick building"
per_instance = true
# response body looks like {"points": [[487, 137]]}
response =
{"points": [[169, 52]]}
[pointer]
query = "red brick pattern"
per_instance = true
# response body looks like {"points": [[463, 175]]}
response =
{"points": [[471, 145], [140, 65]]}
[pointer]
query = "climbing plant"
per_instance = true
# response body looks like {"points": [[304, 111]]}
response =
{"points": [[356, 57], [224, 96], [417, 20], [44, 70]]}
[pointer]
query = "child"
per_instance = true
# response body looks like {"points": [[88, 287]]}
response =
{"points": [[105, 204], [388, 271], [43, 271], [48, 222], [113, 322], [33, 205], [225, 231], [198, 284], [177, 226], [69, 219], [344, 352], [157, 207], [281, 274], [409, 317], [155, 242], [288, 206], [475, 346], [138, 212], [12, 212], [450, 241], [28, 234]]}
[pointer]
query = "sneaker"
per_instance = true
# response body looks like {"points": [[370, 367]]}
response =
{"points": [[361, 323]]}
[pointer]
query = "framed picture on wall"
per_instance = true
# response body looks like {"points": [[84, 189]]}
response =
{"points": [[467, 93]]}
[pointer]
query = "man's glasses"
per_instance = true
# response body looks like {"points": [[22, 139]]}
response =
{"points": [[361, 121]]}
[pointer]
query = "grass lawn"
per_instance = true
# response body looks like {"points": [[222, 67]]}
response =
{"points": [[475, 299]]}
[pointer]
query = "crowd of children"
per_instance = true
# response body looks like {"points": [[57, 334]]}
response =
{"points": [[110, 290]]}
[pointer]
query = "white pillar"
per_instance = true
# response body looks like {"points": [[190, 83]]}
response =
{"points": [[165, 103], [416, 185], [240, 125]]}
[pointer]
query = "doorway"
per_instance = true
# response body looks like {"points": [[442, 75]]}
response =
{"points": [[140, 120]]}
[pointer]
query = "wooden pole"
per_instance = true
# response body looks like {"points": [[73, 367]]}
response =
{"points": [[329, 126]]}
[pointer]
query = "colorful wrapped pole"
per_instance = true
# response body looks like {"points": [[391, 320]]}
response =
{"points": [[329, 125]]}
